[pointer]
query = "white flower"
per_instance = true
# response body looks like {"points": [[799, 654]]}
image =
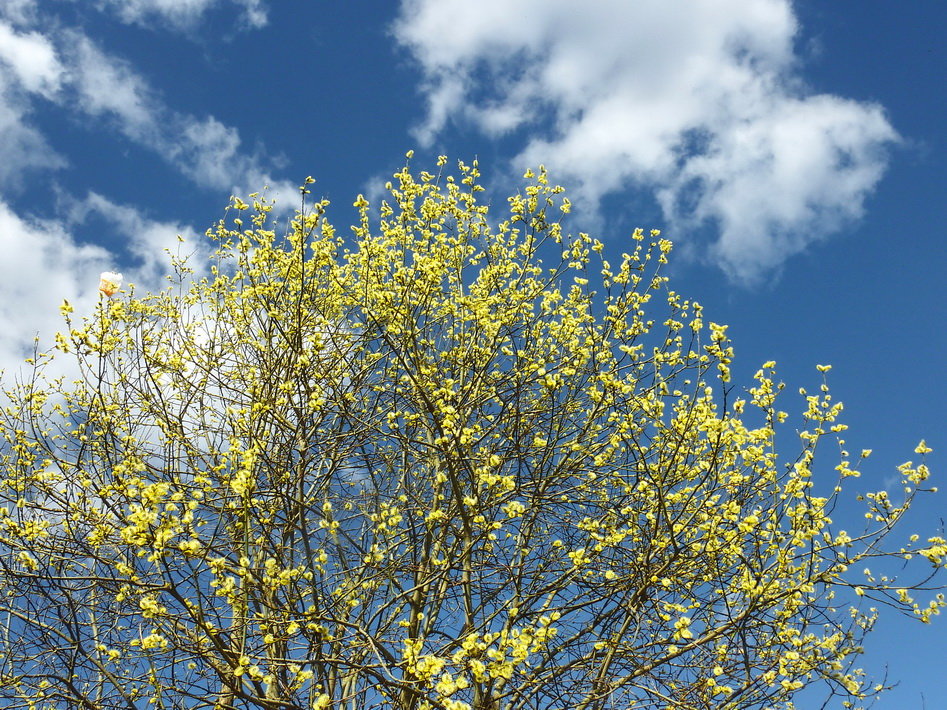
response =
{"points": [[110, 282]]}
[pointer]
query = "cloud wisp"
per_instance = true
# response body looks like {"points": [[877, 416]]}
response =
{"points": [[181, 14], [701, 104], [205, 150], [69, 71], [28, 67]]}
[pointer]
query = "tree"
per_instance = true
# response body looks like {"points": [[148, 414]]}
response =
{"points": [[428, 472]]}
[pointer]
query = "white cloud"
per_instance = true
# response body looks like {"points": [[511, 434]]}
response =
{"points": [[204, 149], [42, 265], [699, 102], [208, 151], [775, 184], [108, 86], [18, 11], [211, 153], [150, 243], [32, 58], [24, 148], [71, 72], [181, 14], [28, 65]]}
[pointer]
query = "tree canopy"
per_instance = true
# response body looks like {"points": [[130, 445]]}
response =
{"points": [[454, 460]]}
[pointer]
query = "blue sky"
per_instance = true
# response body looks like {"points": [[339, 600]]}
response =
{"points": [[794, 152]]}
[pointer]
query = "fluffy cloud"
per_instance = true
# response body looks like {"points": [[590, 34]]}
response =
{"points": [[28, 65], [211, 153], [777, 183], [150, 244], [18, 11], [44, 65], [181, 13], [68, 70], [82, 77], [108, 87], [32, 59], [701, 103], [42, 265]]}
